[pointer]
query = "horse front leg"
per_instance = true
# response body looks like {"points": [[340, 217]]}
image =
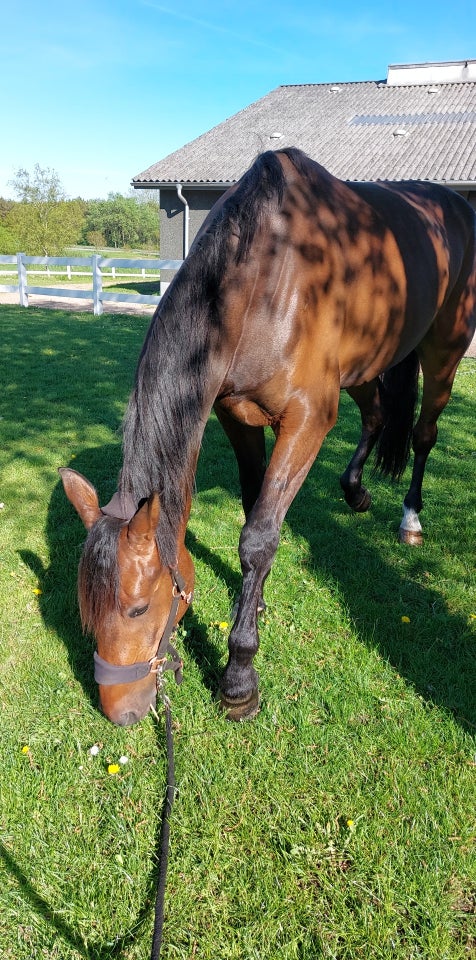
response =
{"points": [[250, 451], [367, 398], [298, 440]]}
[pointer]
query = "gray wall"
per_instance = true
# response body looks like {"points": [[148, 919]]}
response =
{"points": [[172, 220]]}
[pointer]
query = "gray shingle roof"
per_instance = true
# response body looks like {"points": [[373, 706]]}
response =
{"points": [[359, 131]]}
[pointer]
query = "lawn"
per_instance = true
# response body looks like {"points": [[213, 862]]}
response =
{"points": [[338, 824]]}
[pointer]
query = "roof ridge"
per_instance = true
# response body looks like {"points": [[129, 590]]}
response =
{"points": [[332, 83]]}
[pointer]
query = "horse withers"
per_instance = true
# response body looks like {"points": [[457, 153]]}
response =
{"points": [[297, 286]]}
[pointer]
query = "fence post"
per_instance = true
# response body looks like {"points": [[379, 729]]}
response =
{"points": [[97, 285], [22, 280]]}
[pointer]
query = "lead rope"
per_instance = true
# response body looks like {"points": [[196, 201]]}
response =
{"points": [[164, 832]]}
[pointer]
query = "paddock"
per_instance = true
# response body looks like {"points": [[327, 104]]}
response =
{"points": [[340, 823]]}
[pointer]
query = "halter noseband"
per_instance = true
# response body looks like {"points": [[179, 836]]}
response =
{"points": [[110, 674]]}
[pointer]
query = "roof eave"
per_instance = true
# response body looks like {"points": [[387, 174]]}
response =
{"points": [[224, 184], [458, 184], [451, 184], [172, 184]]}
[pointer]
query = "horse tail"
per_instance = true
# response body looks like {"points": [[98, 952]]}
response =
{"points": [[399, 395]]}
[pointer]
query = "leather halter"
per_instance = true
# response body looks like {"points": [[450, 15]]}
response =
{"points": [[166, 656]]}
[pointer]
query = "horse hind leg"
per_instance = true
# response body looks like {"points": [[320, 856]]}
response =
{"points": [[440, 354], [437, 386], [367, 398]]}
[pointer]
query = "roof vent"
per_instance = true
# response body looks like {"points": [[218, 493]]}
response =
{"points": [[400, 132], [275, 136], [335, 89]]}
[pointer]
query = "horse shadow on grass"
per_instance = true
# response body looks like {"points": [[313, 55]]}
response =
{"points": [[64, 929]]}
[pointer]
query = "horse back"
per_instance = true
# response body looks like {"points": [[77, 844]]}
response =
{"points": [[348, 276]]}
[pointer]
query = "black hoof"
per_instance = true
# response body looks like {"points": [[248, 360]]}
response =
{"points": [[241, 709], [363, 504], [357, 497]]}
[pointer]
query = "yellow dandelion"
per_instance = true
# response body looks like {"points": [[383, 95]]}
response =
{"points": [[113, 768], [223, 625], [405, 619], [37, 591], [25, 749], [350, 823], [472, 616]]}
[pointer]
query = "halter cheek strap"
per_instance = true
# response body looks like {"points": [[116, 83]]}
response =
{"points": [[166, 656]]}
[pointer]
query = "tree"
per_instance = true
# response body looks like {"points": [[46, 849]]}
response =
{"points": [[43, 188], [9, 242], [44, 221], [123, 221]]}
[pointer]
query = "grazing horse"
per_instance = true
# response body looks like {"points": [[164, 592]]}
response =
{"points": [[298, 285]]}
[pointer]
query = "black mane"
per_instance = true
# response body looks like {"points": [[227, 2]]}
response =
{"points": [[167, 410], [98, 576]]}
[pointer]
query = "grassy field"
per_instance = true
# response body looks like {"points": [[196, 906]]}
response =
{"points": [[341, 822]]}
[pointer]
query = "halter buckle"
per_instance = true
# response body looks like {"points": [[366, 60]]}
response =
{"points": [[182, 594], [157, 664]]}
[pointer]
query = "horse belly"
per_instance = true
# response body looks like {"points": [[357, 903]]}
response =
{"points": [[375, 318]]}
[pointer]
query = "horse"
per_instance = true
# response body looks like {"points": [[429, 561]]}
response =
{"points": [[297, 286]]}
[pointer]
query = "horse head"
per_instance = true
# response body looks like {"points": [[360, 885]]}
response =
{"points": [[129, 600]]}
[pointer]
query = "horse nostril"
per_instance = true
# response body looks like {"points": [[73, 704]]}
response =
{"points": [[125, 711]]}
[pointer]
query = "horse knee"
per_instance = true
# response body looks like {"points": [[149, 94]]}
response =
{"points": [[257, 549]]}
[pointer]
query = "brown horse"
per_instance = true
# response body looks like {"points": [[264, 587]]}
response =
{"points": [[297, 286]]}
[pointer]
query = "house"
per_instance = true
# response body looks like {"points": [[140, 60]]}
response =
{"points": [[418, 124]]}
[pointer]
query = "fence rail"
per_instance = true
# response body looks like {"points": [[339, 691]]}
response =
{"points": [[98, 266]]}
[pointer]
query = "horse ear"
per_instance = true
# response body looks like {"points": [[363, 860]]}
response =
{"points": [[142, 527], [82, 495]]}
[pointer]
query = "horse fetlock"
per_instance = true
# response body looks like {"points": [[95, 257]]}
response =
{"points": [[410, 528], [410, 531]]}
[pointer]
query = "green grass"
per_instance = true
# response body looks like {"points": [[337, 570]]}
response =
{"points": [[341, 822]]}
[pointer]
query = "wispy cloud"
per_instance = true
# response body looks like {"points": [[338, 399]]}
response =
{"points": [[214, 27], [349, 26]]}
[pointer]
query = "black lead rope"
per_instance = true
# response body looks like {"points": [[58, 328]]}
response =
{"points": [[165, 658], [164, 833]]}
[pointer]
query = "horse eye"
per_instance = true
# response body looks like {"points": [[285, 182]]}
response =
{"points": [[138, 611]]}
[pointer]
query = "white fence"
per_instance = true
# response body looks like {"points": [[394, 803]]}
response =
{"points": [[97, 267]]}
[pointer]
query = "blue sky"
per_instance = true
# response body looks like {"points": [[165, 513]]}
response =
{"points": [[98, 91]]}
